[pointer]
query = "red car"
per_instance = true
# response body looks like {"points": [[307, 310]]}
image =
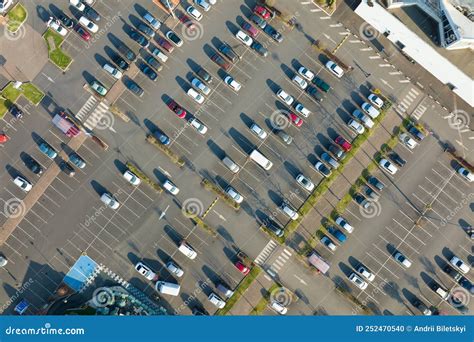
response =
{"points": [[346, 146], [295, 119], [252, 31], [216, 58], [3, 138], [179, 111], [165, 44], [262, 11], [185, 20], [82, 32], [242, 268]]}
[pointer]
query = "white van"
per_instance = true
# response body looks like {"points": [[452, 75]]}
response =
{"points": [[164, 287], [261, 160], [187, 250]]}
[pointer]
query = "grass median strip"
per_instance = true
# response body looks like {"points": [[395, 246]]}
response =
{"points": [[16, 17], [213, 187], [140, 174], [56, 54], [240, 290], [263, 303], [201, 224], [166, 150]]}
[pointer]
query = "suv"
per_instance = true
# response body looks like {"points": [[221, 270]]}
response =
{"points": [[228, 52], [126, 52], [205, 76], [221, 62], [321, 84]]}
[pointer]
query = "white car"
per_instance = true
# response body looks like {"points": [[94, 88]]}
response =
{"points": [[170, 187], [305, 182], [328, 243], [195, 95], [285, 97], [402, 260], [289, 211], [299, 108], [300, 82], [466, 174], [55, 25], [232, 83], [88, 24], [194, 13], [4, 5], [278, 307], [145, 271], [198, 125], [335, 69], [22, 183], [187, 250], [387, 166], [3, 260], [203, 4], [460, 265], [244, 38], [409, 142], [77, 4], [200, 86], [131, 177], [370, 110], [109, 201], [375, 100], [344, 224], [258, 131], [232, 193], [175, 269], [356, 126], [116, 73], [357, 281], [216, 300], [306, 73], [366, 121], [366, 273]]}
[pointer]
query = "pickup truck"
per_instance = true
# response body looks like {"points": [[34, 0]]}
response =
{"points": [[321, 84]]}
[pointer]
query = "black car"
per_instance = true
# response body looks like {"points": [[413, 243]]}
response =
{"points": [[466, 283], [314, 93], [323, 169], [397, 159], [134, 88], [457, 303], [126, 52], [146, 30], [415, 132], [154, 63], [361, 200], [204, 75], [337, 152], [67, 168], [259, 21], [16, 111], [277, 36], [91, 13], [369, 192], [120, 62], [140, 39], [422, 307], [148, 71], [273, 227], [228, 52], [259, 48], [375, 183], [66, 21], [32, 164]]}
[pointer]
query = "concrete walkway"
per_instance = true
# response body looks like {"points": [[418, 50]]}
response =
{"points": [[252, 296]]}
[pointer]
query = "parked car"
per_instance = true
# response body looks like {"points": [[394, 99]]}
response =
{"points": [[109, 200], [242, 268], [295, 119], [194, 13], [340, 236], [153, 62], [99, 88], [114, 72], [252, 31], [262, 11], [55, 25], [174, 38], [187, 250], [67, 168], [403, 260], [22, 183], [158, 53], [228, 52], [66, 21], [120, 62], [314, 93], [198, 125], [337, 152], [82, 32], [306, 73], [244, 38], [131, 177], [146, 30], [299, 81], [372, 180], [469, 176], [32, 164], [440, 291], [335, 69], [326, 241], [177, 109], [278, 307], [229, 80], [88, 24], [422, 307], [375, 100], [145, 271], [305, 182], [204, 75], [259, 21], [213, 298], [46, 149], [333, 164], [365, 119], [417, 134], [216, 58], [203, 4], [274, 227], [300, 109], [407, 141], [140, 39], [361, 200], [285, 137], [370, 110], [323, 169], [126, 52], [77, 160], [164, 44], [77, 4], [192, 93], [387, 166], [174, 269], [355, 126], [259, 48], [170, 187], [148, 71], [258, 131], [369, 192], [341, 222], [15, 111], [366, 273], [460, 265], [200, 86], [285, 97], [234, 195], [346, 146], [357, 281], [274, 34], [151, 20], [134, 88], [289, 211], [319, 82], [397, 159], [91, 13]]}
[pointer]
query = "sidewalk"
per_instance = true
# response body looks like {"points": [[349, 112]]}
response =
{"points": [[252, 296], [38, 189]]}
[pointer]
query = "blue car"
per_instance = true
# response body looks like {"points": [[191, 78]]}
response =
{"points": [[162, 138], [337, 234], [48, 150]]}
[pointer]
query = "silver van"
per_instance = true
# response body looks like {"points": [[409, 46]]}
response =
{"points": [[231, 165], [224, 290], [164, 287]]}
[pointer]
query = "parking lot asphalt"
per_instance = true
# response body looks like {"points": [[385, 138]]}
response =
{"points": [[148, 226]]}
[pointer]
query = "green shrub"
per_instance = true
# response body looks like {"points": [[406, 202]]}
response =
{"points": [[145, 179], [208, 185], [166, 150]]}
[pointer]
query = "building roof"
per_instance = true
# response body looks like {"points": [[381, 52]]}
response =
{"points": [[417, 49]]}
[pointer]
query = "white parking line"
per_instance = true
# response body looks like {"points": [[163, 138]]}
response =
{"points": [[382, 265], [44, 194], [33, 212], [67, 186], [60, 194], [409, 232], [402, 240]]}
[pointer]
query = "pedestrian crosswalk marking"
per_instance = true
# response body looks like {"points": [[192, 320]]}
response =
{"points": [[266, 252]]}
